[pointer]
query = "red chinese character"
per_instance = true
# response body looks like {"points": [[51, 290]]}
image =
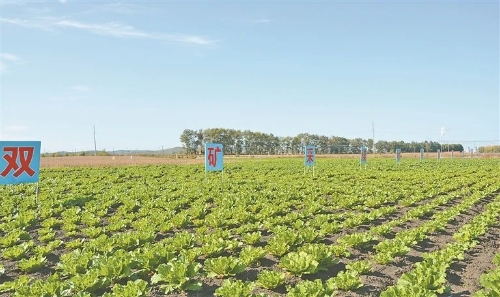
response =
{"points": [[309, 155], [25, 155], [212, 155], [363, 155]]}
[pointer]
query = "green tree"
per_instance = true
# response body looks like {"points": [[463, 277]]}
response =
{"points": [[188, 140]]}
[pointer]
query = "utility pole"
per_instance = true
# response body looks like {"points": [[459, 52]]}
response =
{"points": [[95, 144]]}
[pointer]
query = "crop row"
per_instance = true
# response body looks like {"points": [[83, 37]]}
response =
{"points": [[428, 278]]}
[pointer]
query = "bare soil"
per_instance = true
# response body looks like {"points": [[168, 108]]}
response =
{"points": [[464, 276], [95, 161]]}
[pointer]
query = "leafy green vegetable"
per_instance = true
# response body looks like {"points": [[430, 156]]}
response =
{"points": [[18, 251], [21, 282], [251, 255], [347, 280], [177, 274], [251, 238], [490, 282], [299, 263], [361, 267], [223, 266], [32, 264], [407, 291], [277, 247], [427, 275], [90, 282], [235, 288], [321, 253], [270, 279], [307, 288]]}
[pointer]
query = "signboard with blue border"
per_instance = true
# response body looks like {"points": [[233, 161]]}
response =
{"points": [[398, 155], [364, 152], [19, 162], [310, 155], [214, 154]]}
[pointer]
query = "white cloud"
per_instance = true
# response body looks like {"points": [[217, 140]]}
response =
{"points": [[120, 8], [3, 67], [63, 1], [12, 137], [63, 99], [261, 21], [18, 2], [191, 39], [9, 57], [38, 24], [15, 128], [39, 10], [6, 59], [113, 29], [80, 88]]}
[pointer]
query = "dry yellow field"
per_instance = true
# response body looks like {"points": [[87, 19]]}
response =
{"points": [[95, 161]]}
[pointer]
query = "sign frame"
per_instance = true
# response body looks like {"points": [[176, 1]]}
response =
{"points": [[214, 158], [20, 162], [398, 155], [309, 157], [363, 156]]}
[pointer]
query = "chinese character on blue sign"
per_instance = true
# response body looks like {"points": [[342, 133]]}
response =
{"points": [[213, 157], [19, 162], [310, 155], [363, 155], [398, 155]]}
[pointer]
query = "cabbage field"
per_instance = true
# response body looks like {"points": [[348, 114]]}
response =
{"points": [[266, 229]]}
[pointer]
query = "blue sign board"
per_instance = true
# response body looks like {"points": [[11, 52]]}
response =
{"points": [[364, 151], [19, 162], [398, 155], [310, 155], [214, 154]]}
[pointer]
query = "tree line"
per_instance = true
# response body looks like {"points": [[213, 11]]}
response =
{"points": [[490, 149], [238, 142]]}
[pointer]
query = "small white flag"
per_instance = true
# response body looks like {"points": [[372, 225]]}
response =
{"points": [[442, 131]]}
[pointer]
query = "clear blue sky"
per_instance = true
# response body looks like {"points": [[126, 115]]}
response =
{"points": [[142, 71]]}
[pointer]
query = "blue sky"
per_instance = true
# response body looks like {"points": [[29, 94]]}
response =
{"points": [[142, 72]]}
